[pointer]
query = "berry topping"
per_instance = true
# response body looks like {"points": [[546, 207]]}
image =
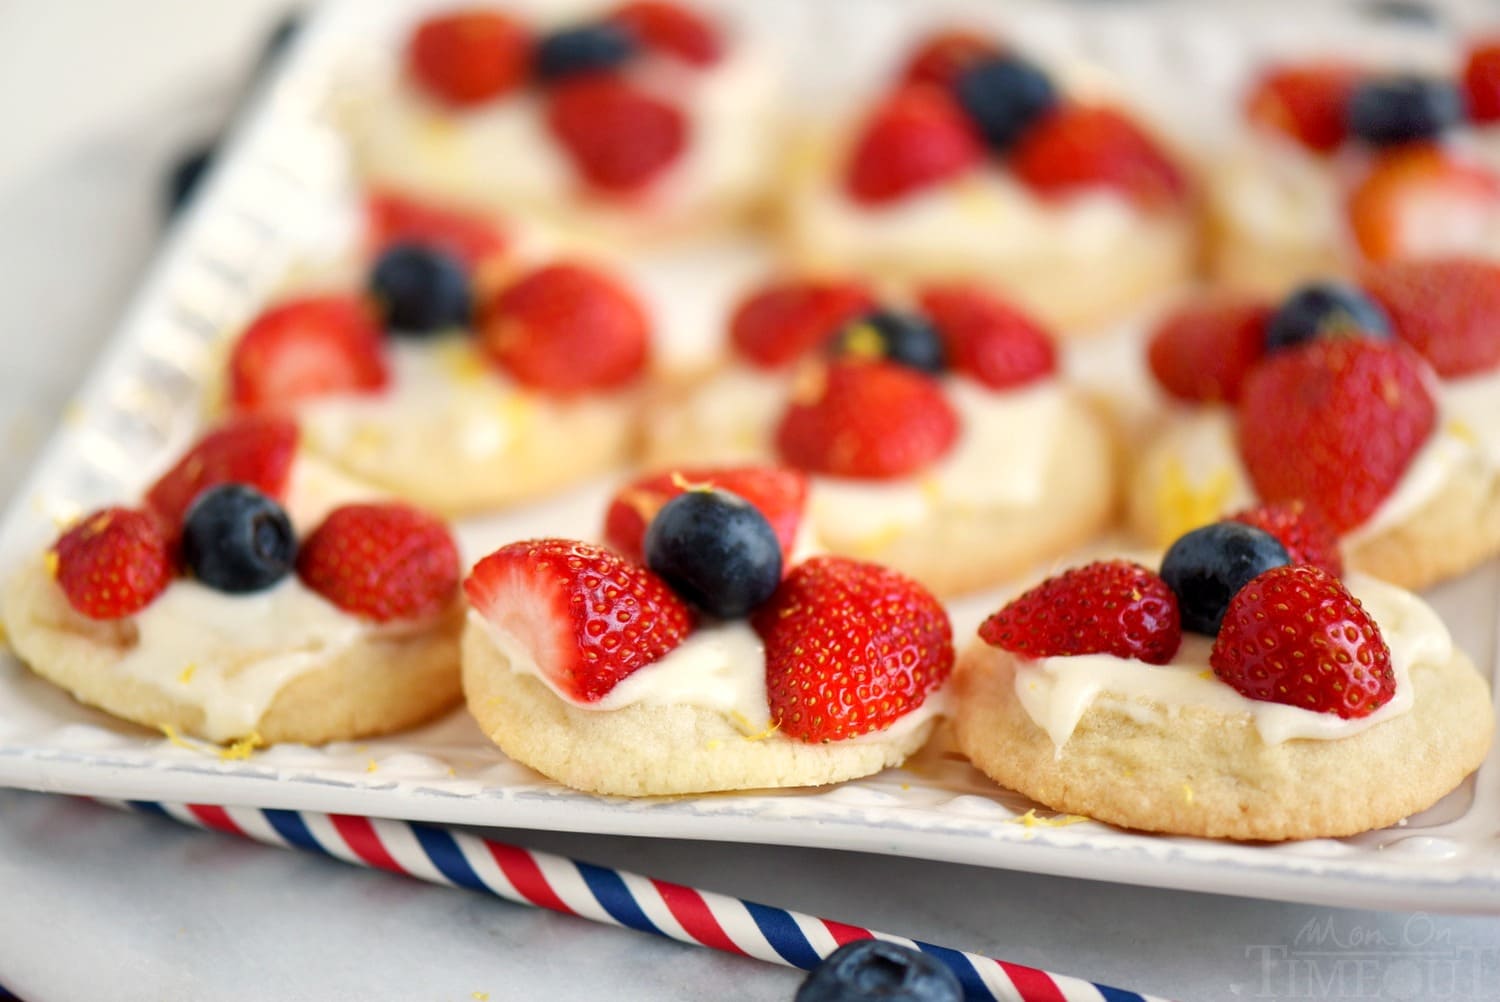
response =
{"points": [[1207, 567], [113, 563], [987, 339], [944, 55], [1395, 110], [1448, 309], [867, 419], [1481, 81], [1295, 635], [1334, 424], [567, 328], [778, 492], [382, 562], [469, 56], [582, 49], [396, 219], [872, 970], [588, 617], [253, 450], [850, 648], [620, 137], [918, 137], [672, 30], [1423, 201], [1303, 533], [1308, 103], [1324, 310], [420, 290], [785, 321], [307, 348], [1203, 350], [1004, 96], [1081, 147], [716, 550], [236, 540], [1111, 607], [907, 339]]}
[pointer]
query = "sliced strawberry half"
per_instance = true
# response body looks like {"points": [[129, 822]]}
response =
{"points": [[620, 137], [256, 450], [469, 56], [916, 138], [1481, 80], [1079, 147], [943, 55], [780, 495], [672, 30], [1302, 531], [113, 563], [784, 321], [1446, 308], [1424, 201], [398, 219], [307, 348], [1308, 103], [988, 339], [1204, 349], [382, 562]]}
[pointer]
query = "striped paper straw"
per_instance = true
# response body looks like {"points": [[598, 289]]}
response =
{"points": [[614, 897]]}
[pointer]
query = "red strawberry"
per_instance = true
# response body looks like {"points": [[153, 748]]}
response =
{"points": [[567, 328], [1334, 423], [381, 562], [918, 137], [1204, 349], [671, 29], [396, 219], [1306, 535], [1082, 147], [1306, 102], [942, 56], [253, 450], [988, 339], [850, 648], [112, 564], [786, 320], [588, 617], [778, 493], [1112, 607], [867, 419], [1295, 635], [1446, 308], [307, 348], [1481, 81], [469, 56], [619, 136], [1420, 201]]}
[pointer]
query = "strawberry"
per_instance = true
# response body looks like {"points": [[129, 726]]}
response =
{"points": [[1334, 423], [255, 450], [672, 30], [307, 348], [1419, 201], [1446, 308], [943, 55], [1111, 607], [113, 563], [381, 562], [588, 617], [988, 339], [1085, 147], [1481, 81], [396, 219], [1303, 533], [469, 56], [1309, 103], [565, 329], [788, 319], [620, 137], [1295, 635], [850, 648], [779, 494], [916, 138], [867, 419], [1203, 350]]}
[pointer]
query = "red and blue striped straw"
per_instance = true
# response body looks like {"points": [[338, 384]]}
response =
{"points": [[613, 897]]}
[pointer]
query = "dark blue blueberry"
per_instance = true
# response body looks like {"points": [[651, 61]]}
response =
{"points": [[907, 338], [586, 48], [1206, 567], [1004, 96], [421, 290], [1392, 110], [872, 970], [1325, 309], [716, 550], [236, 539]]}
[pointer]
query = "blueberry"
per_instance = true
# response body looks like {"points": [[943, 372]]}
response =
{"points": [[1004, 96], [421, 289], [1325, 309], [583, 49], [1393, 110], [906, 338], [716, 550], [872, 970], [1206, 567], [235, 539]]}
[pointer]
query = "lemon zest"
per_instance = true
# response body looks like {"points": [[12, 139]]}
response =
{"points": [[50, 559], [186, 675], [747, 729], [1030, 820], [1187, 793], [372, 766], [172, 735], [1184, 506], [242, 748]]}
